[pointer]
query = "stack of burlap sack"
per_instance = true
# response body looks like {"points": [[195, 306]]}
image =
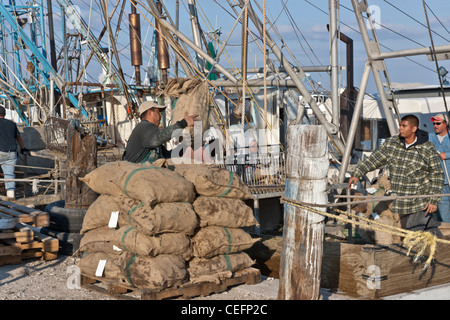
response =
{"points": [[154, 227], [220, 240]]}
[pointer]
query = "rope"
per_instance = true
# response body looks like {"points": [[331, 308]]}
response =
{"points": [[423, 239], [392, 197]]}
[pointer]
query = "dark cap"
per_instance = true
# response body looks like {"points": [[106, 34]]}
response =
{"points": [[2, 111]]}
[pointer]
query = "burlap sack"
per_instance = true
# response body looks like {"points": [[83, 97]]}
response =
{"points": [[129, 239], [146, 183], [232, 262], [165, 217], [107, 247], [150, 220], [212, 241], [89, 262], [214, 181], [192, 97], [161, 272], [223, 212], [99, 212], [380, 206], [384, 238], [142, 272], [101, 179]]}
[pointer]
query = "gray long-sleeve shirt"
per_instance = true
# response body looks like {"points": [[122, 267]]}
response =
{"points": [[146, 137]]}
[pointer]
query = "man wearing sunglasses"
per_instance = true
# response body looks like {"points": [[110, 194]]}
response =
{"points": [[441, 140]]}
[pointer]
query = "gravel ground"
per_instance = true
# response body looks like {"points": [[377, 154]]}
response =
{"points": [[35, 279]]}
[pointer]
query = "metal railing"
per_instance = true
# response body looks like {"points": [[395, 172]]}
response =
{"points": [[262, 173]]}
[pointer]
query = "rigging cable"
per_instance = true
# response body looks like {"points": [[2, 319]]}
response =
{"points": [[438, 19], [409, 16], [434, 56], [357, 31]]}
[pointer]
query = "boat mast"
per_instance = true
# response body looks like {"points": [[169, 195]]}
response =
{"points": [[135, 42], [196, 32], [332, 129], [334, 63]]}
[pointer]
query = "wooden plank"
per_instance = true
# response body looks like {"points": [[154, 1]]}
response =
{"points": [[49, 244], [20, 236], [40, 199], [37, 253], [8, 223], [15, 259], [20, 208], [90, 283], [4, 215], [10, 250], [24, 214], [186, 291]]}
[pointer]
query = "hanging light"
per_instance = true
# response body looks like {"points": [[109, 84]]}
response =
{"points": [[443, 73]]}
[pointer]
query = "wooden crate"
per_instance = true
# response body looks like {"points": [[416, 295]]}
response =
{"points": [[24, 214], [116, 289], [363, 271], [372, 271], [24, 242]]}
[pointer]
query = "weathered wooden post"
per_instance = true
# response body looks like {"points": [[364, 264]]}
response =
{"points": [[303, 232], [81, 159]]}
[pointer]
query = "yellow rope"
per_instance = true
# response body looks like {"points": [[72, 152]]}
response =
{"points": [[412, 239]]}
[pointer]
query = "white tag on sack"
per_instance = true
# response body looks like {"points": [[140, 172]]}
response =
{"points": [[113, 219], [371, 190], [100, 268], [115, 248]]}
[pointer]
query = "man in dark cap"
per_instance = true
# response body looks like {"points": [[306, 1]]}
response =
{"points": [[9, 138]]}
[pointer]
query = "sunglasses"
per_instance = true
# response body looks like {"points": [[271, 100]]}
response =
{"points": [[437, 123]]}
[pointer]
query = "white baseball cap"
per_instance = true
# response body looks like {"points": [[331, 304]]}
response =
{"points": [[148, 105]]}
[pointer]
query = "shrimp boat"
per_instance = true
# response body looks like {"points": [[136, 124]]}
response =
{"points": [[72, 66]]}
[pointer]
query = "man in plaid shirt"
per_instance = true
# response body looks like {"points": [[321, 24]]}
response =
{"points": [[414, 169]]}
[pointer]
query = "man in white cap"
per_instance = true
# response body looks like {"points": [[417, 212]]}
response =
{"points": [[146, 141], [441, 140], [9, 138]]}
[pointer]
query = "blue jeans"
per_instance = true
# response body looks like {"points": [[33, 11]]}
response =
{"points": [[444, 206], [7, 161]]}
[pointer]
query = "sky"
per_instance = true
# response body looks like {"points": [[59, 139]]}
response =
{"points": [[303, 26]]}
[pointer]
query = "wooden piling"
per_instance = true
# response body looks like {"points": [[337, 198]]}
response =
{"points": [[307, 166], [82, 159]]}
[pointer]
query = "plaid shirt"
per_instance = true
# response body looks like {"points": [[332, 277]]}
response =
{"points": [[415, 170]]}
